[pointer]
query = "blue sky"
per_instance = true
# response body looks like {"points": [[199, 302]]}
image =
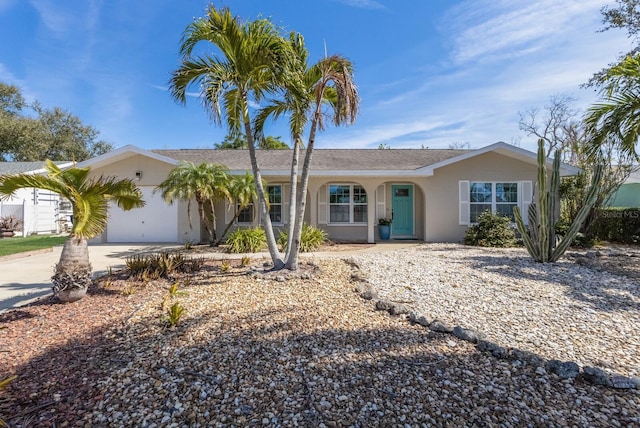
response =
{"points": [[430, 72]]}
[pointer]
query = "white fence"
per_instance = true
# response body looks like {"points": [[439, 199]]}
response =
{"points": [[47, 215]]}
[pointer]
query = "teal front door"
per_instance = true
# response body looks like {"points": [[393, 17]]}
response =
{"points": [[402, 206]]}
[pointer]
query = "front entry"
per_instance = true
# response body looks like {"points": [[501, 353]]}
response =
{"points": [[402, 209]]}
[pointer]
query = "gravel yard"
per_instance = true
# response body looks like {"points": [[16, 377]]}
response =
{"points": [[258, 349], [564, 311]]}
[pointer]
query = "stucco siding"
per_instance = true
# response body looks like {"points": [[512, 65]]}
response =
{"points": [[152, 173], [442, 191]]}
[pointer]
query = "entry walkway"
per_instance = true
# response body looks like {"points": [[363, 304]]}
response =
{"points": [[24, 279]]}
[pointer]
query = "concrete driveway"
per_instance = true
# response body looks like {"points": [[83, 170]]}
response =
{"points": [[26, 278]]}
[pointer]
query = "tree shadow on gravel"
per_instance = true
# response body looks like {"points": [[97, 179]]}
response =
{"points": [[614, 294], [269, 367]]}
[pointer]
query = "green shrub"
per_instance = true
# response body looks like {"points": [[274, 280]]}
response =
{"points": [[310, 239], [620, 225], [249, 240], [161, 265], [492, 230]]}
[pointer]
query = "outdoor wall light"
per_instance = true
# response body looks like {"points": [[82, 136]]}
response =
{"points": [[138, 175]]}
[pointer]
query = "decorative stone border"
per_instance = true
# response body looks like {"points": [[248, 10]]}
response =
{"points": [[563, 369]]}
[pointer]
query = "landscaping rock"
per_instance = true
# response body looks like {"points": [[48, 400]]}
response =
{"points": [[495, 350], [527, 357], [467, 334], [418, 319], [623, 382], [383, 305], [399, 309], [440, 327], [596, 376], [369, 294], [564, 370]]}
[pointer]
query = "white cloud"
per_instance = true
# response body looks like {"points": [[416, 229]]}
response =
{"points": [[6, 4], [5, 74], [54, 17], [507, 57], [365, 4], [491, 27]]}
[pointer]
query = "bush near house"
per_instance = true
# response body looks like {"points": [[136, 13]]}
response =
{"points": [[619, 225], [492, 230], [247, 240], [311, 238]]}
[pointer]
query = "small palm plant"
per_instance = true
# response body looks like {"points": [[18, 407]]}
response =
{"points": [[89, 199], [206, 183]]}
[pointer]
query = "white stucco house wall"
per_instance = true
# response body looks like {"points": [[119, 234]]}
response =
{"points": [[433, 195]]}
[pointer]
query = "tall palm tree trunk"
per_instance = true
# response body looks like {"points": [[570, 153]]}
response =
{"points": [[276, 257], [293, 196], [296, 233]]}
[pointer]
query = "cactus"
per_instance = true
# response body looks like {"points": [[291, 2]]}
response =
{"points": [[540, 237]]}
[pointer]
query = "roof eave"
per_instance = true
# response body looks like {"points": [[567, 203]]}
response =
{"points": [[342, 173], [506, 150], [123, 153]]}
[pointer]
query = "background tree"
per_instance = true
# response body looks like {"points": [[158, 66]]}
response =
{"points": [[89, 199], [559, 126], [556, 124], [460, 145], [624, 15], [30, 132], [206, 183], [240, 142], [232, 142], [11, 100]]}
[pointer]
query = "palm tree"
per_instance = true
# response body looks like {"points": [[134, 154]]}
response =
{"points": [[89, 199], [616, 120], [328, 83], [242, 191], [206, 183], [253, 61]]}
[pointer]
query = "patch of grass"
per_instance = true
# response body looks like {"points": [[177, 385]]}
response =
{"points": [[17, 245]]}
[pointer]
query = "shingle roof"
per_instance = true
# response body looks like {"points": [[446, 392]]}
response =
{"points": [[20, 167], [323, 159]]}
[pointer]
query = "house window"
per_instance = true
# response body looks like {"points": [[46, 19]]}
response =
{"points": [[347, 203], [275, 203], [246, 214], [499, 198]]}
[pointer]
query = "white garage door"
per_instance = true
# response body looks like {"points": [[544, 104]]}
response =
{"points": [[157, 221]]}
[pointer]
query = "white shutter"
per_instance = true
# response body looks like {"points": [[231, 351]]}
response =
{"points": [[381, 208], [463, 199], [526, 190], [322, 204]]}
